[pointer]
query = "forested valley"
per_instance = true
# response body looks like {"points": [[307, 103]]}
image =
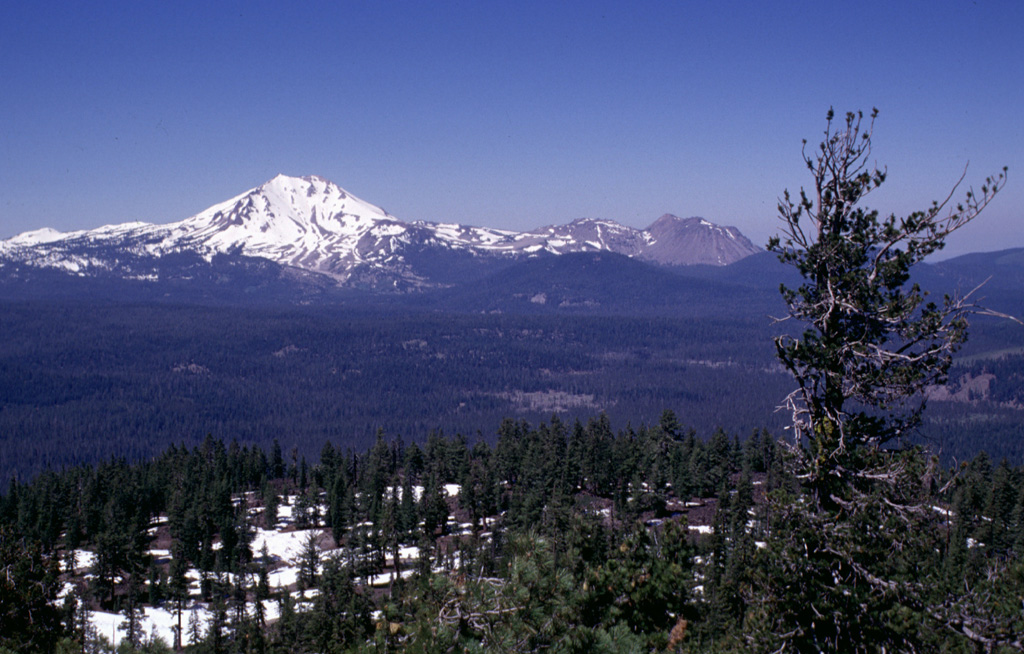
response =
{"points": [[84, 381], [561, 536]]}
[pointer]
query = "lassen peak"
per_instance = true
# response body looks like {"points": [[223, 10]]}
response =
{"points": [[312, 224]]}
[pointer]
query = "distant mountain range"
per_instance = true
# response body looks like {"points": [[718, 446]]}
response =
{"points": [[319, 233], [307, 241]]}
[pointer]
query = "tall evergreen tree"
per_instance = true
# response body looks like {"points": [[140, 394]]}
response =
{"points": [[30, 618], [872, 343]]}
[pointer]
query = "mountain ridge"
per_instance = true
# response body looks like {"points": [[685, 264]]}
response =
{"points": [[314, 225]]}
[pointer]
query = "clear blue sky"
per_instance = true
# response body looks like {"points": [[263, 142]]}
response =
{"points": [[504, 114]]}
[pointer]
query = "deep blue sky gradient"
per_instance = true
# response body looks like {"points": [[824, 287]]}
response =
{"points": [[504, 114]]}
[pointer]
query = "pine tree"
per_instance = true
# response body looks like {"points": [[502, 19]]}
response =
{"points": [[276, 462], [262, 575], [217, 626], [178, 588], [287, 629], [270, 507], [30, 618], [309, 561], [340, 617], [873, 340], [433, 507], [133, 614], [407, 514], [390, 535], [872, 343], [195, 627]]}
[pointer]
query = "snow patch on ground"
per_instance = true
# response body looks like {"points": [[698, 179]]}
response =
{"points": [[84, 559]]}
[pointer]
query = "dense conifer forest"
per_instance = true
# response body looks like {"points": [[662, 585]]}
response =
{"points": [[82, 382], [560, 536]]}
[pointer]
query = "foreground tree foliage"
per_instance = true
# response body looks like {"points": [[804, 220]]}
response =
{"points": [[856, 567], [717, 548], [30, 618]]}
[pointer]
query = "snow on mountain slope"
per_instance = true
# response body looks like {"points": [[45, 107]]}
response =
{"points": [[303, 222], [312, 224]]}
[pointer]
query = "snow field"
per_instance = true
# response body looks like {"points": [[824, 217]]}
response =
{"points": [[284, 547]]}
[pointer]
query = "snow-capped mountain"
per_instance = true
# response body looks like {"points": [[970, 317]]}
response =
{"points": [[312, 225]]}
